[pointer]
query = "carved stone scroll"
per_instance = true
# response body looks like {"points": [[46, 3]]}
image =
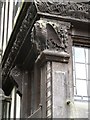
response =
{"points": [[17, 74]]}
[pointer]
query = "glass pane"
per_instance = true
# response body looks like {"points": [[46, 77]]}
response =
{"points": [[87, 55], [73, 65], [88, 88], [74, 78], [80, 71], [79, 55], [74, 90], [88, 70], [81, 87]]}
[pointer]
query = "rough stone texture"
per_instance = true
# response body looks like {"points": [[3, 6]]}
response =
{"points": [[51, 34], [17, 75], [77, 10], [43, 91], [54, 82]]}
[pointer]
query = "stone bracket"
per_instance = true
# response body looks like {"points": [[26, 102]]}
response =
{"points": [[51, 34]]}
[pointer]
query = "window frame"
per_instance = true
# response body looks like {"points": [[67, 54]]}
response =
{"points": [[80, 42]]}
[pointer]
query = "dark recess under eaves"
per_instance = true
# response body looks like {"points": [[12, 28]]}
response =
{"points": [[15, 31]]}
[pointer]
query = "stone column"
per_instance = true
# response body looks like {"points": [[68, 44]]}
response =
{"points": [[55, 97], [54, 43]]}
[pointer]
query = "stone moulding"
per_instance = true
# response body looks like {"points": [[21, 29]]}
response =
{"points": [[74, 10], [49, 55]]}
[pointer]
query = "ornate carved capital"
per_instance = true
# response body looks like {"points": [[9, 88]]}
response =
{"points": [[51, 35]]}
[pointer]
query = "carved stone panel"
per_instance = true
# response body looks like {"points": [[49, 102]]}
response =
{"points": [[59, 87], [51, 35], [79, 10], [60, 90]]}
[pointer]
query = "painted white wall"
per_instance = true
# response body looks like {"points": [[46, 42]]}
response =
{"points": [[18, 104], [10, 25], [12, 103], [78, 109]]}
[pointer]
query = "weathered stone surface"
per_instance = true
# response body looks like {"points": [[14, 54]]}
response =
{"points": [[55, 76], [60, 90], [17, 76], [49, 55], [51, 34], [78, 10]]}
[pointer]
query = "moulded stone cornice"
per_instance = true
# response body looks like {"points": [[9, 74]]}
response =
{"points": [[74, 10], [50, 55]]}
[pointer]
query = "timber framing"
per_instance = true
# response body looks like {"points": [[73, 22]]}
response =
{"points": [[21, 46]]}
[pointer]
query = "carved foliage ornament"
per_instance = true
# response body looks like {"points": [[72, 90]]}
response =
{"points": [[75, 10], [51, 35]]}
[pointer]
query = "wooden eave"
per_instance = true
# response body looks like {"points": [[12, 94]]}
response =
{"points": [[15, 31], [17, 49]]}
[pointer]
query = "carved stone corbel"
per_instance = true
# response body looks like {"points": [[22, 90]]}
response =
{"points": [[51, 35], [17, 74]]}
